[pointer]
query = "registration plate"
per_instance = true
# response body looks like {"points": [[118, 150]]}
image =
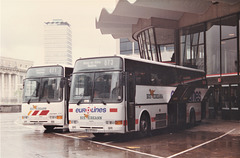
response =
{"points": [[90, 130], [38, 123]]}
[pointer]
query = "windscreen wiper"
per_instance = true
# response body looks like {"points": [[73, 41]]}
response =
{"points": [[102, 101], [29, 101], [79, 102], [47, 101]]}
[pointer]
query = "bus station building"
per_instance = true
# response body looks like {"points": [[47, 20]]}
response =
{"points": [[201, 34]]}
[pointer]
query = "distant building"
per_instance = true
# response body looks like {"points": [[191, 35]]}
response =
{"points": [[12, 73], [58, 42]]}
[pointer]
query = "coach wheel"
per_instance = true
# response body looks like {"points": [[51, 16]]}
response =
{"points": [[98, 135], [192, 118], [144, 125]]}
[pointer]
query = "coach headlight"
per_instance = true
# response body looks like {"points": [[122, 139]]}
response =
{"points": [[53, 117], [110, 122], [24, 117], [56, 117], [73, 122]]}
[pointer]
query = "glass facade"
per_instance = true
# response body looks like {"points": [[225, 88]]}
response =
{"points": [[229, 60], [167, 53], [229, 97], [212, 46], [157, 48], [147, 45], [192, 46], [218, 38], [222, 48], [127, 47]]}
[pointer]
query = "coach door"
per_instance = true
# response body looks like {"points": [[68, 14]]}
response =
{"points": [[131, 87], [177, 105], [173, 106]]}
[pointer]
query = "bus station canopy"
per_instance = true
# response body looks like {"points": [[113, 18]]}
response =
{"points": [[127, 13]]}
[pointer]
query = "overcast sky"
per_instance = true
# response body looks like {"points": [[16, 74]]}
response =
{"points": [[22, 27]]}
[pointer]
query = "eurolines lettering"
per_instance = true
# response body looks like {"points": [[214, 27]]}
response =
{"points": [[92, 110]]}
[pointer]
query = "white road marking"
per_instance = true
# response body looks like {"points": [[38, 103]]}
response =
{"points": [[73, 137], [182, 152], [125, 149], [146, 154], [112, 146]]}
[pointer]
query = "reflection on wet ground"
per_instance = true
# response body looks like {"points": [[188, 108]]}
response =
{"points": [[167, 143], [20, 141]]}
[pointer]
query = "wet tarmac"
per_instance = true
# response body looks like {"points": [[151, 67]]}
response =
{"points": [[212, 138]]}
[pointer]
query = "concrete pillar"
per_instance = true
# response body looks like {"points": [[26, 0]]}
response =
{"points": [[16, 82], [20, 88], [2, 88], [16, 87], [9, 88]]}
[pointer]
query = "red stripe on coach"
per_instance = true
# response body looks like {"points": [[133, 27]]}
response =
{"points": [[136, 121], [35, 112], [44, 112], [113, 110]]}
